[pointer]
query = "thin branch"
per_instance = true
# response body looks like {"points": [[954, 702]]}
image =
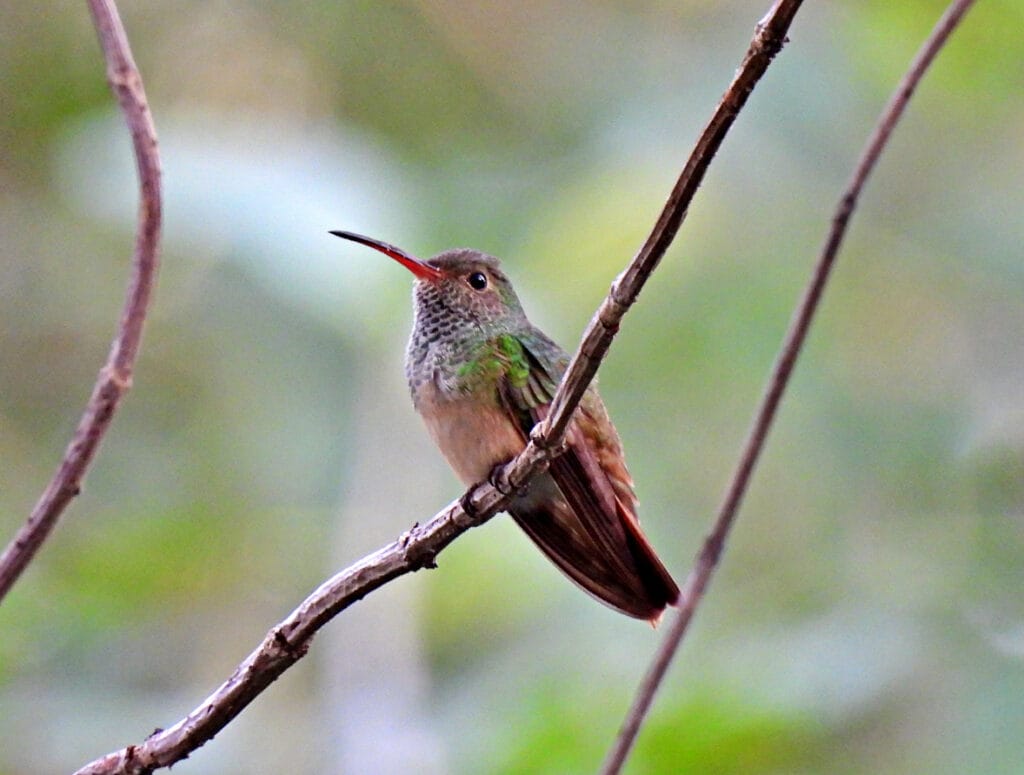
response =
{"points": [[289, 641], [769, 37], [115, 376], [707, 560]]}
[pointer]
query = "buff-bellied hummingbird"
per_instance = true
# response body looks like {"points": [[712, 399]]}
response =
{"points": [[481, 376]]}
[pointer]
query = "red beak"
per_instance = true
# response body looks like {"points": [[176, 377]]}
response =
{"points": [[421, 269]]}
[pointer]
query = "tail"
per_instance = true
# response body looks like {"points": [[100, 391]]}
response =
{"points": [[620, 568]]}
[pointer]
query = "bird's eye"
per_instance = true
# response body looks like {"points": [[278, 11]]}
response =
{"points": [[477, 281]]}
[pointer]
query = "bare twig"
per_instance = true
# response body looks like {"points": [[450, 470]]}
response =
{"points": [[115, 376], [288, 641], [707, 559], [769, 37]]}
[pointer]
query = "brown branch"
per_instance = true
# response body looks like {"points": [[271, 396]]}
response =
{"points": [[115, 376], [769, 37], [707, 559], [288, 642]]}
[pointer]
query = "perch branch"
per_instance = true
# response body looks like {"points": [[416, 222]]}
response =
{"points": [[115, 376], [769, 37], [288, 642], [706, 561]]}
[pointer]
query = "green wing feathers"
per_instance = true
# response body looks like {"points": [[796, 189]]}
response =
{"points": [[588, 526]]}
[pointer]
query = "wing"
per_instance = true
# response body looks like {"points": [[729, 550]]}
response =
{"points": [[588, 525]]}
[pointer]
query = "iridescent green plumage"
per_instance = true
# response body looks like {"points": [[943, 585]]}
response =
{"points": [[481, 376]]}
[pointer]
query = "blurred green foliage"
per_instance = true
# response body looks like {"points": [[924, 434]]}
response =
{"points": [[867, 617]]}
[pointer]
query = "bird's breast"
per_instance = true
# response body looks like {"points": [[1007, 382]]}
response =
{"points": [[474, 433]]}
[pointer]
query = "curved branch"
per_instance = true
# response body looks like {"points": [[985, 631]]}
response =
{"points": [[115, 376], [288, 642], [707, 559]]}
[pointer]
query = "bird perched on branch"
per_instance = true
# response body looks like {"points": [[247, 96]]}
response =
{"points": [[481, 376]]}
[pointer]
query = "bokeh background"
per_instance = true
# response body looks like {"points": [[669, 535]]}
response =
{"points": [[868, 616]]}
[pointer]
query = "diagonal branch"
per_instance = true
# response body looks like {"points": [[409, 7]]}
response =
{"points": [[115, 376], [707, 560], [769, 37], [289, 641]]}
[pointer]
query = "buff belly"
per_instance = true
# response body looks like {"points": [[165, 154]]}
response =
{"points": [[473, 436]]}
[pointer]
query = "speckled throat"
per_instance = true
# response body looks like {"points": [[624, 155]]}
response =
{"points": [[450, 331]]}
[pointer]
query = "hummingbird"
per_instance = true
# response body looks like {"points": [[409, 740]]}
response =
{"points": [[481, 376]]}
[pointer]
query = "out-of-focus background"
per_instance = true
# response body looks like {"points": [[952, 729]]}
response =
{"points": [[868, 616]]}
